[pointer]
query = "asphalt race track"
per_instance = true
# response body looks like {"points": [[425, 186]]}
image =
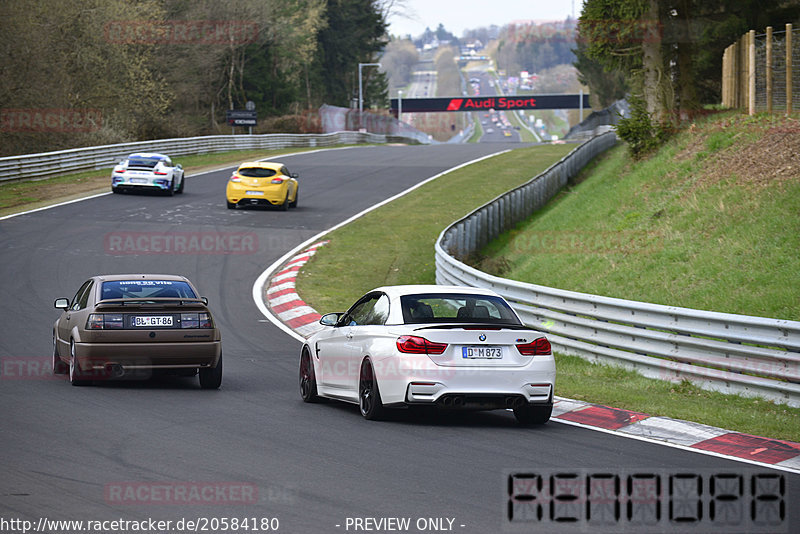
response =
{"points": [[65, 449]]}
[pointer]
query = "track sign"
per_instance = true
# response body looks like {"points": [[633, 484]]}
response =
{"points": [[479, 103], [240, 117]]}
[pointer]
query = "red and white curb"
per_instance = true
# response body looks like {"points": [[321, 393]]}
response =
{"points": [[776, 453], [283, 300]]}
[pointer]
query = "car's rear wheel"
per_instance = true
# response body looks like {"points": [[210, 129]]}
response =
{"points": [[308, 382], [231, 205], [211, 377], [171, 189], [115, 190], [533, 414], [180, 187], [76, 375], [369, 398], [59, 367], [285, 205], [293, 204]]}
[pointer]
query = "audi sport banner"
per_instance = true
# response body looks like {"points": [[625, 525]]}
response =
{"points": [[479, 103]]}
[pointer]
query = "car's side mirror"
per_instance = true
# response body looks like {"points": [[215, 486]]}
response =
{"points": [[178, 166], [205, 300], [61, 304], [294, 175], [330, 319]]}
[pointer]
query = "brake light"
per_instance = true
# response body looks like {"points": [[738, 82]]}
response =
{"points": [[119, 170], [236, 178], [195, 320], [277, 180], [537, 347], [104, 321], [419, 345], [159, 173]]}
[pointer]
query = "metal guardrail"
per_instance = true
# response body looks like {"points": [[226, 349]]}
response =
{"points": [[81, 159], [752, 356]]}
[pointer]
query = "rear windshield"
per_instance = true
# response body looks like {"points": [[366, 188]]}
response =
{"points": [[456, 308], [257, 172], [143, 162], [137, 289]]}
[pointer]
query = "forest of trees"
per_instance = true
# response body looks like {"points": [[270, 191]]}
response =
{"points": [[668, 53], [535, 47], [399, 61], [170, 68]]}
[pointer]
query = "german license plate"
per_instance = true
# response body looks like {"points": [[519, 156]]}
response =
{"points": [[152, 320], [489, 353], [138, 180], [258, 193]]}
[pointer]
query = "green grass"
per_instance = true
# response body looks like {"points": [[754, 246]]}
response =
{"points": [[16, 196], [525, 135], [668, 232], [613, 386], [394, 244], [399, 251], [477, 132]]}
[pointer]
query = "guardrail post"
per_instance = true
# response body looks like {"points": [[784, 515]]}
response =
{"points": [[789, 103], [769, 69]]}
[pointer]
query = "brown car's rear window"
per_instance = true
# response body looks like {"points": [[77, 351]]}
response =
{"points": [[137, 289]]}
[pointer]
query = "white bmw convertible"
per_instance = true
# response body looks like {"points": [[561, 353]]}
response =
{"points": [[426, 345]]}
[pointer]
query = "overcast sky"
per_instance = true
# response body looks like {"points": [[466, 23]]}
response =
{"points": [[460, 15]]}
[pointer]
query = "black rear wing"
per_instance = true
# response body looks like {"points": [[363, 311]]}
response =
{"points": [[151, 301]]}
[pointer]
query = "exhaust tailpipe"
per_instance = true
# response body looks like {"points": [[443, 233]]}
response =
{"points": [[116, 370]]}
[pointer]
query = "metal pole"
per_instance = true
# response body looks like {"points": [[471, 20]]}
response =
{"points": [[788, 41], [580, 105], [360, 99], [400, 105], [751, 72]]}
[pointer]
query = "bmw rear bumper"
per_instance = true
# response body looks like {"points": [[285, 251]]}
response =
{"points": [[469, 387]]}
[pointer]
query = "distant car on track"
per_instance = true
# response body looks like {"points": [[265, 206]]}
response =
{"points": [[262, 183], [422, 345], [119, 325], [147, 172]]}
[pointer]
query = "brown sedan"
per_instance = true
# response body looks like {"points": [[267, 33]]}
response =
{"points": [[122, 325]]}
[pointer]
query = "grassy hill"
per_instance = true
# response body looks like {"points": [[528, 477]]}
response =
{"points": [[712, 221]]}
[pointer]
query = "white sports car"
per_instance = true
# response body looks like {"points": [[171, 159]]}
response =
{"points": [[427, 345], [154, 172]]}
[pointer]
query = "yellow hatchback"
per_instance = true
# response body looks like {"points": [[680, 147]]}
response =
{"points": [[262, 183]]}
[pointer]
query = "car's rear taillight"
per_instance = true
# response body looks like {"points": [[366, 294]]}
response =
{"points": [[159, 173], [119, 170], [195, 320], [104, 321], [537, 347], [419, 345], [236, 178], [277, 180]]}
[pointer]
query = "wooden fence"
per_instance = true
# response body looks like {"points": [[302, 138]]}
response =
{"points": [[762, 72]]}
